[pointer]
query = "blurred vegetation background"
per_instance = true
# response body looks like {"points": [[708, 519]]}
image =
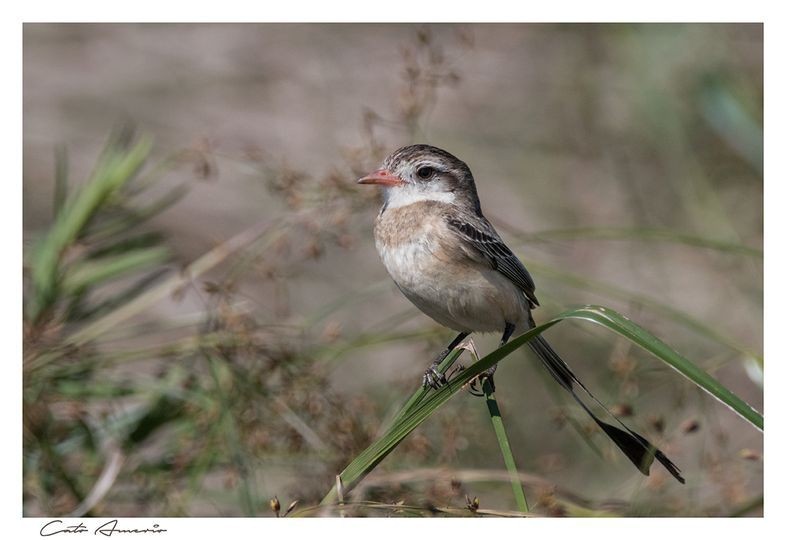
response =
{"points": [[208, 327]]}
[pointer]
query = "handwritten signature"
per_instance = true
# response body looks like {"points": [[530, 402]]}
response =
{"points": [[107, 529]]}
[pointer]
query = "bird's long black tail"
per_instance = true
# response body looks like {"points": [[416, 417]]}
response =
{"points": [[638, 449]]}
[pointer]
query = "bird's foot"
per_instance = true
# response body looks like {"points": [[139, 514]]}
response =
{"points": [[433, 379], [476, 384]]}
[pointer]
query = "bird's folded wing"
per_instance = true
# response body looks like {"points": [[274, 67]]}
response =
{"points": [[481, 242]]}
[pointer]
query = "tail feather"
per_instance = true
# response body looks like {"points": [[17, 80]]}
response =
{"points": [[638, 449]]}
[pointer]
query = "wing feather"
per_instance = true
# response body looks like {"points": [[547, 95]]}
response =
{"points": [[479, 235]]}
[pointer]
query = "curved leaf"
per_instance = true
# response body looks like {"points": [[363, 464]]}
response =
{"points": [[418, 410]]}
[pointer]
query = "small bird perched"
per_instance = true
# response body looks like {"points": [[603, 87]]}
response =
{"points": [[448, 260]]}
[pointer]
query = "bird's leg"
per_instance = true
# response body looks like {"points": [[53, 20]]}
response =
{"points": [[476, 386], [432, 378]]}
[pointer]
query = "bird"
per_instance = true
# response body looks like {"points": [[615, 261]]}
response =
{"points": [[450, 262]]}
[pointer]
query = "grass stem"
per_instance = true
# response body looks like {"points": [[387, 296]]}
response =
{"points": [[504, 446]]}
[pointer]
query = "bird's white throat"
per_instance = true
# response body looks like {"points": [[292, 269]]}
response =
{"points": [[398, 196]]}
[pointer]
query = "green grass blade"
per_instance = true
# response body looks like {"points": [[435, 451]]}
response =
{"points": [[421, 392], [638, 234], [94, 272], [237, 452], [61, 180], [628, 329], [206, 262], [367, 460], [504, 447], [727, 115], [115, 168], [127, 219]]}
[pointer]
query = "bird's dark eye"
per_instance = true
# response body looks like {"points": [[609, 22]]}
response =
{"points": [[425, 172]]}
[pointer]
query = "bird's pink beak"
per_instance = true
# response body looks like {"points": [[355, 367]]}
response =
{"points": [[383, 177]]}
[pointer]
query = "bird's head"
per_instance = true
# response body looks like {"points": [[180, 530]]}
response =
{"points": [[424, 173]]}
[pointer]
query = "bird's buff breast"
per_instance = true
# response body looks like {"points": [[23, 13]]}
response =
{"points": [[432, 272]]}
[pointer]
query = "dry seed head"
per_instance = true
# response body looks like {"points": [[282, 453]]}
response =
{"points": [[690, 426], [657, 423], [331, 332], [551, 462], [314, 250], [622, 409], [423, 36], [291, 507]]}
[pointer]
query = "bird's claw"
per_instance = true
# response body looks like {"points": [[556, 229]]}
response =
{"points": [[476, 384], [433, 379]]}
